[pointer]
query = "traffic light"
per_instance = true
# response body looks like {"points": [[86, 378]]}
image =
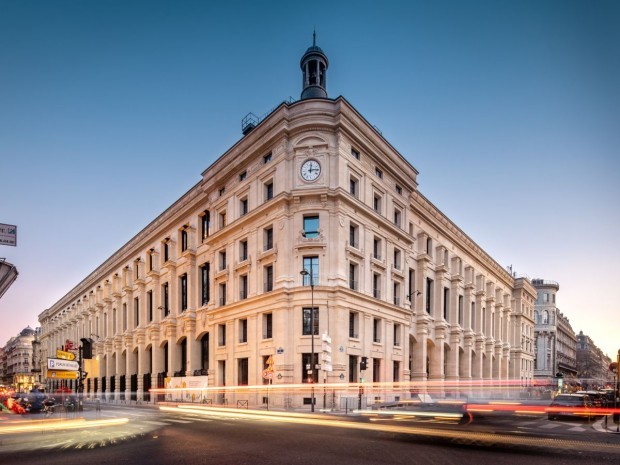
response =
{"points": [[364, 363]]}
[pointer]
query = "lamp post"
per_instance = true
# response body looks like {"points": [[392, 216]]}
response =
{"points": [[305, 273]]}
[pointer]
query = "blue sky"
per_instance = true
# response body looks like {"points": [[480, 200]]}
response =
{"points": [[510, 110]]}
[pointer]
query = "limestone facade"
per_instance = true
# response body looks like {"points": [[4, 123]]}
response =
{"points": [[213, 287]]}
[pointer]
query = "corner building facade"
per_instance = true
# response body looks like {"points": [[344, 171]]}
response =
{"points": [[213, 286]]}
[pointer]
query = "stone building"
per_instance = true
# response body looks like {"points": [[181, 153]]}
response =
{"points": [[213, 287], [17, 359], [592, 364], [555, 341]]}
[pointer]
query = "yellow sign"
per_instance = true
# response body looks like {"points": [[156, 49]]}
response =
{"points": [[65, 355], [55, 374]]}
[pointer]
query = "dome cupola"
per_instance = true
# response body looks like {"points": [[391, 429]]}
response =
{"points": [[314, 65]]}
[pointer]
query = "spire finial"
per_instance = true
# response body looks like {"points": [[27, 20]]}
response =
{"points": [[314, 37]]}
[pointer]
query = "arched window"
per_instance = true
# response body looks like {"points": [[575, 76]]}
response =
{"points": [[545, 317]]}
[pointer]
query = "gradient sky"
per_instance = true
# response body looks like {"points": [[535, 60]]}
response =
{"points": [[510, 110]]}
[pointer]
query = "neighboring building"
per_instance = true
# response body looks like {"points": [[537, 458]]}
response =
{"points": [[8, 275], [522, 337], [555, 341], [3, 378], [18, 352], [592, 364], [212, 287]]}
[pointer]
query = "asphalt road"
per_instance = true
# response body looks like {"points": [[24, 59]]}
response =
{"points": [[228, 437]]}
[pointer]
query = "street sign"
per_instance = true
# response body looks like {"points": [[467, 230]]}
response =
{"points": [[60, 364], [65, 355], [8, 234], [53, 374], [267, 374]]}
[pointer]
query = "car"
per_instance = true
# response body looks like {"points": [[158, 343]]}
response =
{"points": [[598, 398], [570, 405]]}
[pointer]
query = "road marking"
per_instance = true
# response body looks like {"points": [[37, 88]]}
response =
{"points": [[576, 428], [550, 425]]}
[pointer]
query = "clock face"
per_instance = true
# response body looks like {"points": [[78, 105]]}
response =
{"points": [[310, 170]]}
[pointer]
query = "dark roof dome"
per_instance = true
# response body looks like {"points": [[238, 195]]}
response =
{"points": [[314, 66], [27, 331]]}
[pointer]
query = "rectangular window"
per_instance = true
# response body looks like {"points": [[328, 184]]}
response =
{"points": [[309, 373], [397, 334], [397, 255], [376, 330], [221, 335], [308, 320], [429, 295], [150, 259], [446, 302], [268, 190], [183, 286], [378, 173], [376, 370], [353, 369], [149, 303], [411, 288], [243, 330], [460, 316], [243, 175], [396, 293], [354, 236], [353, 276], [184, 240], [242, 379], [125, 316], [222, 260], [376, 248], [166, 251], [354, 322], [222, 294], [221, 372], [243, 250], [473, 316], [204, 353], [205, 220], [268, 239], [396, 372], [355, 153], [222, 219], [311, 266], [136, 312], [268, 278], [267, 325], [397, 217], [243, 287], [399, 190], [311, 226], [376, 203], [376, 285], [243, 207], [267, 158], [205, 284], [354, 187], [165, 296]]}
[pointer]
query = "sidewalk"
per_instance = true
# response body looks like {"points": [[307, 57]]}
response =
{"points": [[606, 425]]}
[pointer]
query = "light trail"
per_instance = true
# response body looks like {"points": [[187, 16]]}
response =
{"points": [[458, 437], [52, 425]]}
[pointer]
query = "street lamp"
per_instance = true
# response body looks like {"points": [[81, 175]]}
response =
{"points": [[305, 273]]}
